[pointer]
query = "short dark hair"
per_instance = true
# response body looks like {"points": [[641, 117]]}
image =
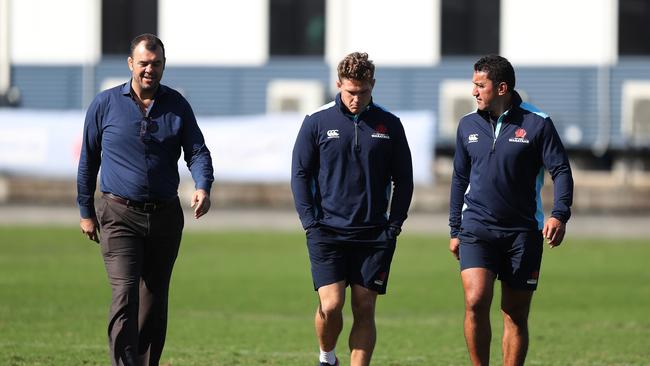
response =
{"points": [[151, 43], [498, 69], [356, 66]]}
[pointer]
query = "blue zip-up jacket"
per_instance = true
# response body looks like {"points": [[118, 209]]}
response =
{"points": [[499, 171], [343, 167]]}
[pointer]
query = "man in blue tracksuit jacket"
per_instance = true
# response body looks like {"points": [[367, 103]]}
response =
{"points": [[496, 218], [348, 157]]}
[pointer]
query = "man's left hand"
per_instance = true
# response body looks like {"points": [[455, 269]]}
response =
{"points": [[553, 232], [200, 203]]}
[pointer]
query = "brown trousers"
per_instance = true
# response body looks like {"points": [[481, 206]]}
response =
{"points": [[139, 250]]}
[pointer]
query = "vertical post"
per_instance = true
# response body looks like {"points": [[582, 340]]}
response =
{"points": [[87, 84], [601, 144], [93, 26], [5, 62]]}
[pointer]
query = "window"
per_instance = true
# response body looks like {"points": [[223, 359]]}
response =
{"points": [[123, 20], [633, 27], [297, 27], [470, 27]]}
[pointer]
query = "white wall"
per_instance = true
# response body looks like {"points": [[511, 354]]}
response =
{"points": [[404, 32], [214, 32], [559, 32], [55, 32]]}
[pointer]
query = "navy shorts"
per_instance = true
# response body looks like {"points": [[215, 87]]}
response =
{"points": [[365, 263], [514, 256]]}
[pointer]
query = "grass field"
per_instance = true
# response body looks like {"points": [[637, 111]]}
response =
{"points": [[246, 299]]}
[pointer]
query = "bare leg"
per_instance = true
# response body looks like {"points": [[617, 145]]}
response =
{"points": [[515, 306], [364, 333], [329, 315], [478, 284]]}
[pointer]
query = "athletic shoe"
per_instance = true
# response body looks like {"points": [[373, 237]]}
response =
{"points": [[327, 364]]}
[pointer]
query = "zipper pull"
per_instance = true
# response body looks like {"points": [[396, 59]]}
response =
{"points": [[356, 136]]}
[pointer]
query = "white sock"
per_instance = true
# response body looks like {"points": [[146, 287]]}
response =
{"points": [[329, 357]]}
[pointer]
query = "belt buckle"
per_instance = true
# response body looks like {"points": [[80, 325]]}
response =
{"points": [[148, 206]]}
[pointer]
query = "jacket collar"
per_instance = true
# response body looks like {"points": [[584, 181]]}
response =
{"points": [[346, 111], [516, 106]]}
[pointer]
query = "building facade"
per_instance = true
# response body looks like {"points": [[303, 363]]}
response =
{"points": [[584, 62]]}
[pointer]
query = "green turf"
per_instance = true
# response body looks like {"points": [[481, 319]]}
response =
{"points": [[246, 299]]}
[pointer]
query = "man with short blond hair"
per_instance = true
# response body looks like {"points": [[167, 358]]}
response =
{"points": [[347, 158]]}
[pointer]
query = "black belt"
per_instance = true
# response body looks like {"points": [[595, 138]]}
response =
{"points": [[140, 206]]}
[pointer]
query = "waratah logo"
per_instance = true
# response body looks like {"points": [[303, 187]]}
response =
{"points": [[520, 136], [381, 132], [520, 133], [381, 128]]}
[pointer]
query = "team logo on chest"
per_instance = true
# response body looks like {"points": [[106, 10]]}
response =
{"points": [[520, 136], [333, 134], [381, 132]]}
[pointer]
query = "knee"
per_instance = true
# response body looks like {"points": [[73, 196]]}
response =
{"points": [[363, 308], [125, 298], [515, 316], [477, 304], [330, 307]]}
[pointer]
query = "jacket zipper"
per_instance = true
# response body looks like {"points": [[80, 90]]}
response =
{"points": [[497, 125], [497, 130], [356, 133], [494, 133]]}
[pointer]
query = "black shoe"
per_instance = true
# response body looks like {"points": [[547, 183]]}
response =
{"points": [[328, 364]]}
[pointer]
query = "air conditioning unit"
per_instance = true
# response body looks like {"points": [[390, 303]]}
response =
{"points": [[294, 95], [635, 112], [456, 100]]}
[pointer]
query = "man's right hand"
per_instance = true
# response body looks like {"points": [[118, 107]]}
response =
{"points": [[90, 228], [454, 245]]}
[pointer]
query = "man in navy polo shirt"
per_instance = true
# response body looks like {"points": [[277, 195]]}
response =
{"points": [[496, 218], [347, 158], [136, 132]]}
